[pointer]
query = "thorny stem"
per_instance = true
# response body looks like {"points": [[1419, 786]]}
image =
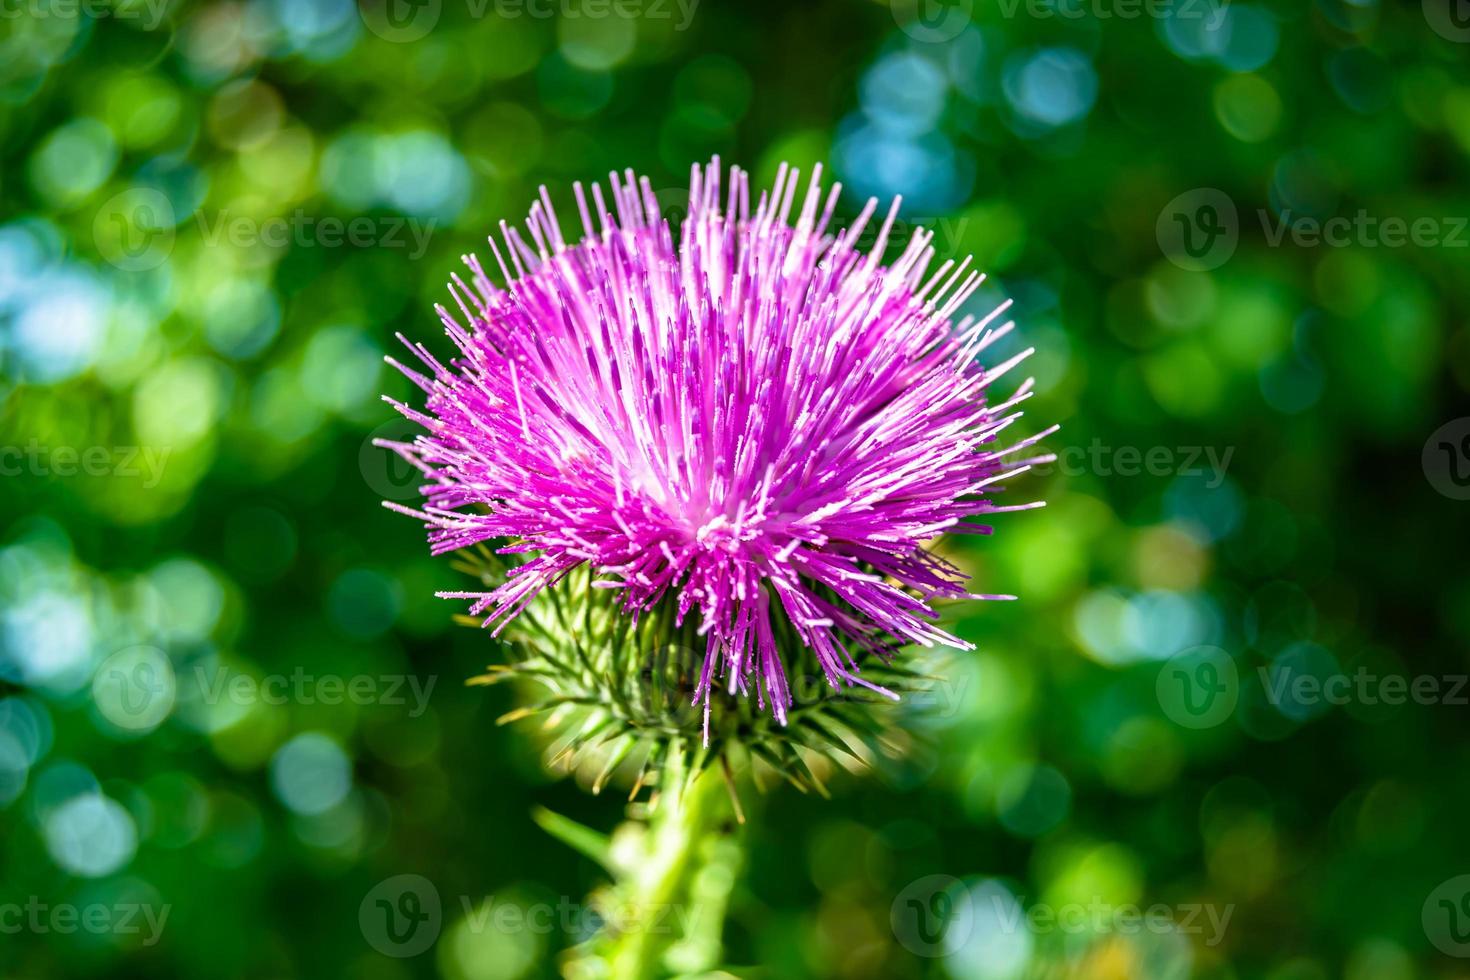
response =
{"points": [[692, 850]]}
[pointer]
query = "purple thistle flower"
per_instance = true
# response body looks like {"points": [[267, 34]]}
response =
{"points": [[761, 422]]}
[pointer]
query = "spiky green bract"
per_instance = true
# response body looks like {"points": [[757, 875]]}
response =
{"points": [[618, 693]]}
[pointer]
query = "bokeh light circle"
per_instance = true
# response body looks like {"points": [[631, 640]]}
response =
{"points": [[91, 835]]}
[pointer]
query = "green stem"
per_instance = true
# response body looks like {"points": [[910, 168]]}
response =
{"points": [[680, 888]]}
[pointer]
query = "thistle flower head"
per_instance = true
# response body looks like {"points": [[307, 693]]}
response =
{"points": [[757, 428]]}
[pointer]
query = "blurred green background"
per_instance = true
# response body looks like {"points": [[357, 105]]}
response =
{"points": [[232, 707]]}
